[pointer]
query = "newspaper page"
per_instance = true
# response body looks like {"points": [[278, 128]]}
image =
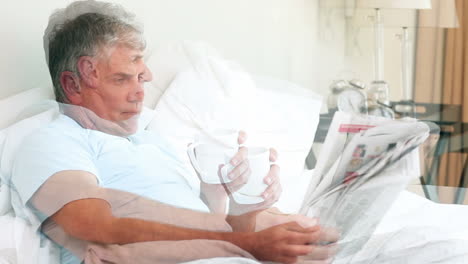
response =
{"points": [[364, 164]]}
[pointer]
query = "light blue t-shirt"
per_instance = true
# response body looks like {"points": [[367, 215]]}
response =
{"points": [[143, 164]]}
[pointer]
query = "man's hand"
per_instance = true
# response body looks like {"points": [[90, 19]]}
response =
{"points": [[270, 195], [290, 242], [323, 252], [325, 248], [273, 217], [243, 217], [215, 195]]}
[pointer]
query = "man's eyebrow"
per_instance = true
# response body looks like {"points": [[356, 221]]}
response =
{"points": [[137, 57], [122, 74]]}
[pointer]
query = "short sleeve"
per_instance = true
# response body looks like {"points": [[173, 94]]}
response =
{"points": [[47, 152], [61, 189]]}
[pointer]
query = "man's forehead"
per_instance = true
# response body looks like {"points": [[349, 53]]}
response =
{"points": [[124, 53], [136, 57], [123, 57]]}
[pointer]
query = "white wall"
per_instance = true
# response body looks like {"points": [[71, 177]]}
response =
{"points": [[348, 52], [271, 37], [22, 63], [304, 41]]}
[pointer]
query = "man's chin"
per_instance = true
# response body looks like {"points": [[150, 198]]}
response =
{"points": [[129, 115], [129, 126], [90, 120]]}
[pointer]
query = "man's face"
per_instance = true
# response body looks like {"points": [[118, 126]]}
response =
{"points": [[117, 93]]}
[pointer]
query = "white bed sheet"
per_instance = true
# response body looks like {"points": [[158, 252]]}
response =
{"points": [[20, 244], [416, 230]]}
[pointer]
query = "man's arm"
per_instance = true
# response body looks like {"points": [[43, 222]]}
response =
{"points": [[75, 202], [92, 220]]}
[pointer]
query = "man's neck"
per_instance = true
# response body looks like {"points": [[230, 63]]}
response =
{"points": [[90, 120]]}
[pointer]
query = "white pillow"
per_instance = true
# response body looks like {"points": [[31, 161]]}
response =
{"points": [[168, 59], [152, 95], [15, 135], [16, 104], [18, 107], [12, 138], [2, 139], [5, 204], [213, 94]]}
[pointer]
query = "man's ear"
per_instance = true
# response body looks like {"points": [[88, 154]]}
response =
{"points": [[87, 69], [71, 87]]}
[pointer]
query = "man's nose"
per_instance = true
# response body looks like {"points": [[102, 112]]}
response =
{"points": [[147, 75], [137, 92]]}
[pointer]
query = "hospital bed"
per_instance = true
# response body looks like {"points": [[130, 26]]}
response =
{"points": [[196, 89]]}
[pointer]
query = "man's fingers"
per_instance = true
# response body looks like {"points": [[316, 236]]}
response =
{"points": [[298, 250], [286, 259], [314, 233], [273, 191], [294, 226], [304, 238], [270, 196], [239, 157], [322, 252], [273, 155], [301, 235], [329, 234], [242, 137], [303, 220], [240, 178], [236, 184], [239, 170], [273, 175], [324, 261]]}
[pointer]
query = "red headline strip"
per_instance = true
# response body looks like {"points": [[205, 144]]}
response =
{"points": [[353, 128]]}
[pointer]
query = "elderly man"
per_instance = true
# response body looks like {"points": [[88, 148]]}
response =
{"points": [[105, 190]]}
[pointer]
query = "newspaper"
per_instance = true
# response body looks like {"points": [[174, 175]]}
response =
{"points": [[364, 164]]}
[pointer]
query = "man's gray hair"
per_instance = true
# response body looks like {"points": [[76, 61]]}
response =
{"points": [[82, 29]]}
